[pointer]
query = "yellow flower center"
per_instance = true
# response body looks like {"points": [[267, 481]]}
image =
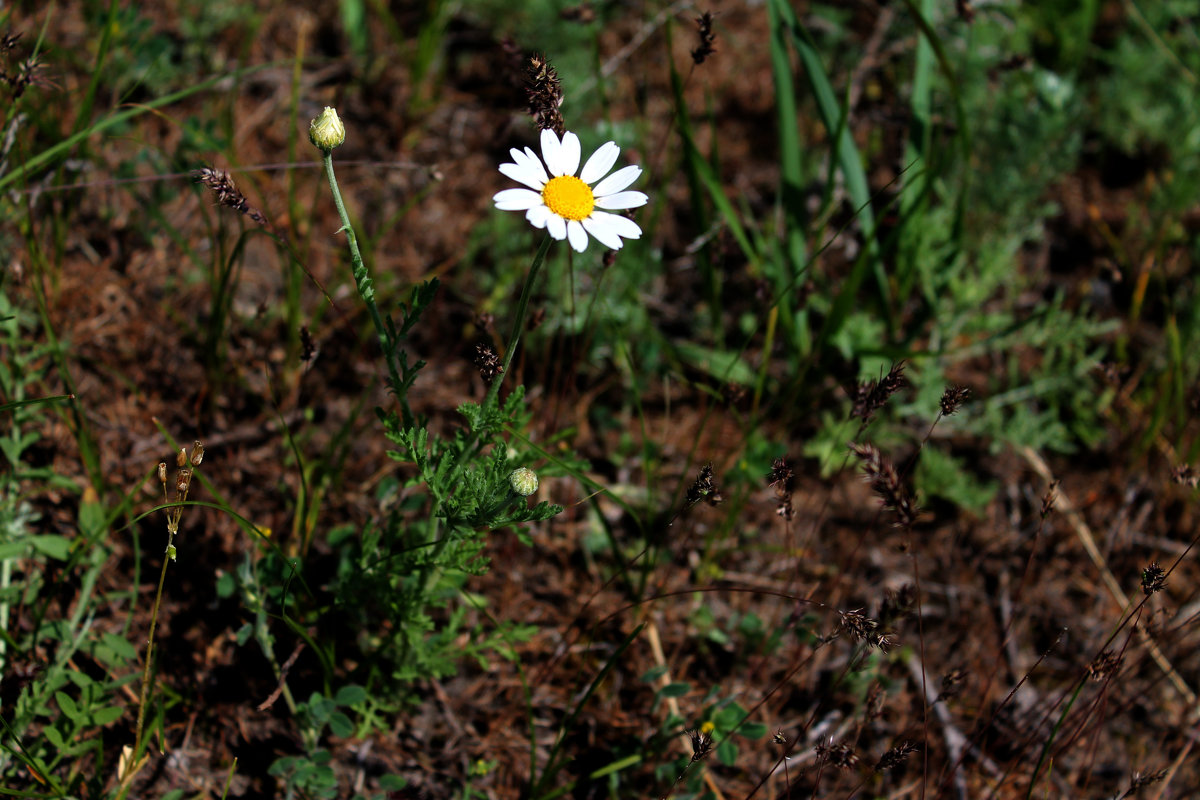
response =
{"points": [[568, 197]]}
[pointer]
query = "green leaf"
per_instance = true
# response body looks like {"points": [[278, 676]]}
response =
{"points": [[91, 516], [727, 753], [723, 365], [350, 695], [12, 550], [68, 706], [677, 689], [54, 737], [654, 673], [120, 646], [104, 716], [942, 475], [57, 547], [753, 730], [340, 724]]}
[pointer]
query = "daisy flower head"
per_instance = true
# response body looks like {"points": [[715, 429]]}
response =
{"points": [[569, 206]]}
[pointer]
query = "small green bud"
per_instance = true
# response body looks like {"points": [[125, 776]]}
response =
{"points": [[523, 481], [327, 131]]}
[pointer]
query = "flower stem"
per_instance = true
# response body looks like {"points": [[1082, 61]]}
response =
{"points": [[135, 758], [366, 290], [519, 323]]}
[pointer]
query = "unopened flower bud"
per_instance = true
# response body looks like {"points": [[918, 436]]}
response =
{"points": [[523, 481], [327, 131]]}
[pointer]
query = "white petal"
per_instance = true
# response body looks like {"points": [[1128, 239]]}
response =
{"points": [[603, 232], [523, 173], [516, 200], [550, 150], [530, 165], [577, 235], [600, 163], [568, 154], [621, 226], [622, 200], [556, 226], [617, 181], [538, 215]]}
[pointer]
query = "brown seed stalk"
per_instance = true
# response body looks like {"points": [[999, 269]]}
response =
{"points": [[227, 193]]}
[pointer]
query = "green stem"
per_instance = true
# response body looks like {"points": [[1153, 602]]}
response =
{"points": [[135, 757], [519, 322], [366, 290]]}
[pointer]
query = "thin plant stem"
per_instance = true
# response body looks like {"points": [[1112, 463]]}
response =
{"points": [[366, 290], [510, 349], [134, 764]]}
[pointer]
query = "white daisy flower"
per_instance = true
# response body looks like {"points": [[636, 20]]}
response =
{"points": [[568, 206]]}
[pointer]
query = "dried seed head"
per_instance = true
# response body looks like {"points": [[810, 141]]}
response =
{"points": [[704, 488], [162, 473], [779, 738], [896, 756], [781, 475], [181, 457], [781, 479], [1049, 498], [1154, 579], [1140, 781], [871, 396], [701, 741], [856, 623], [952, 683], [523, 481], [488, 362], [952, 399], [880, 473], [326, 131], [707, 37], [197, 453], [840, 755], [1183, 474], [227, 192], [545, 94], [183, 479], [308, 347], [1104, 665]]}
